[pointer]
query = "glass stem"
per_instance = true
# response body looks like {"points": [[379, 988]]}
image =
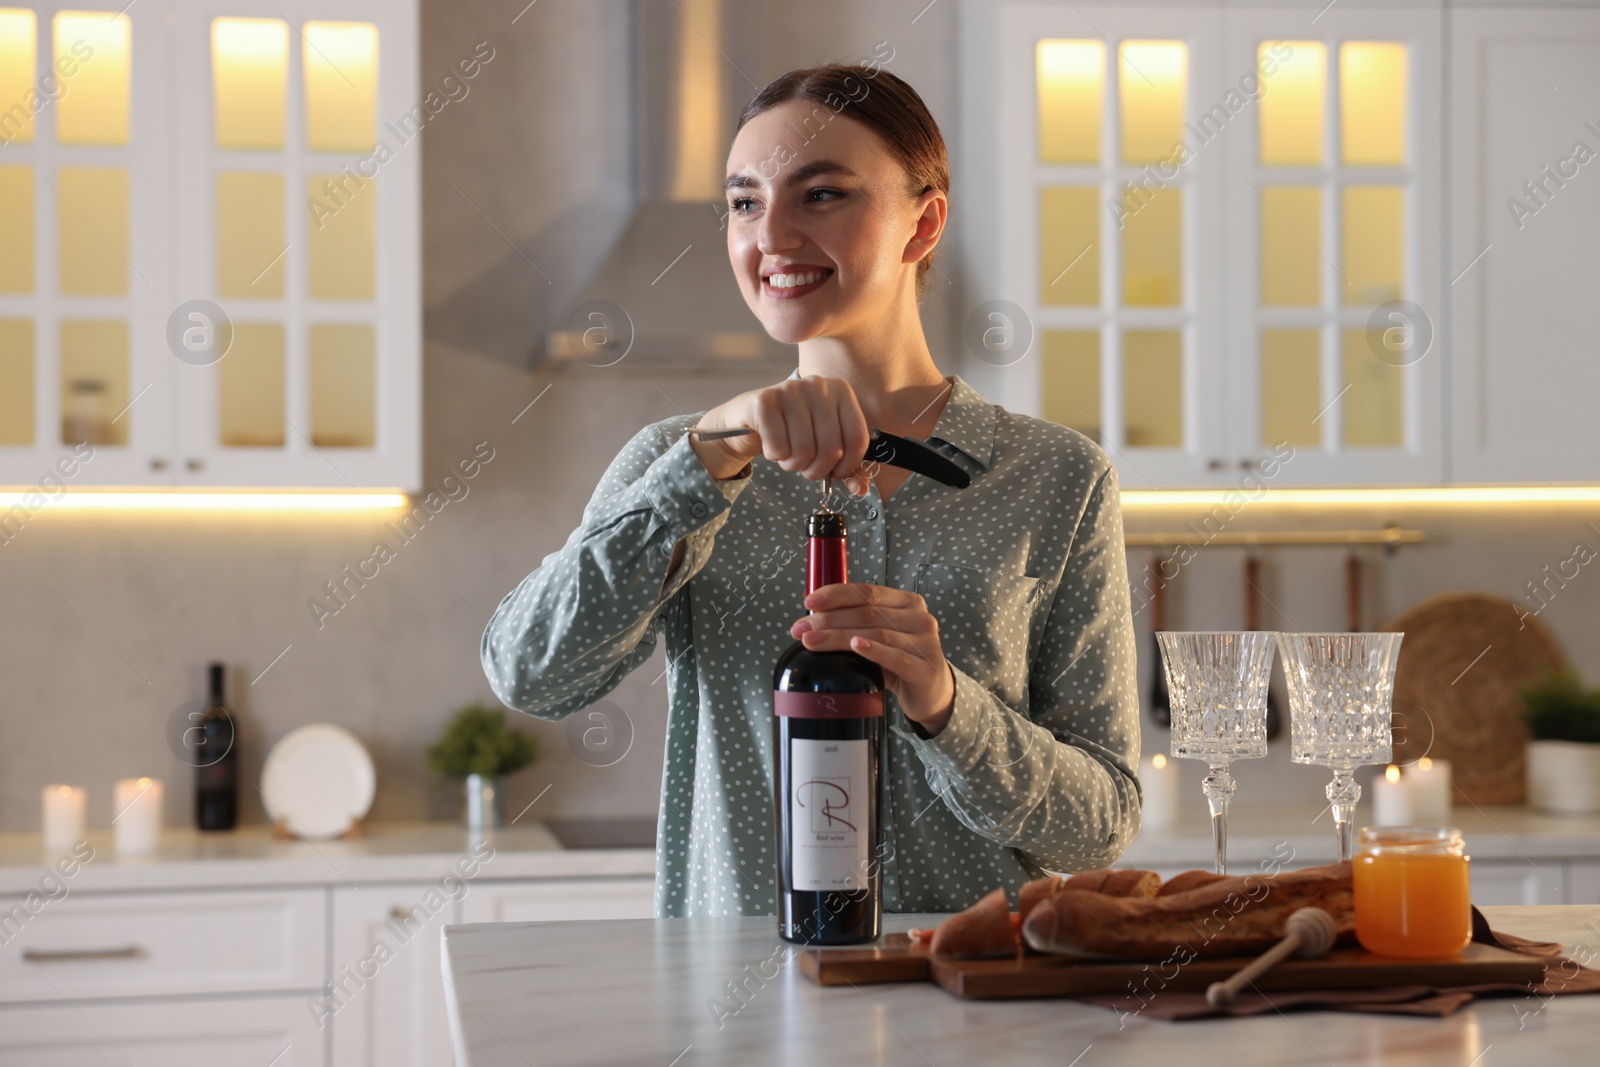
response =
{"points": [[1219, 787], [1343, 793]]}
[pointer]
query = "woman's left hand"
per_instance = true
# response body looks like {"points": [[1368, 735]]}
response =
{"points": [[892, 628]]}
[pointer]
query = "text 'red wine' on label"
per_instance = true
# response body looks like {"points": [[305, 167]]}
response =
{"points": [[830, 814]]}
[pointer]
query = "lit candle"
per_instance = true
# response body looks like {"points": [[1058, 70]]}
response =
{"points": [[1160, 780], [136, 815], [1430, 792], [1391, 799], [63, 817]]}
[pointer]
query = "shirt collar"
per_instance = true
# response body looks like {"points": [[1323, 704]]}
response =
{"points": [[967, 421]]}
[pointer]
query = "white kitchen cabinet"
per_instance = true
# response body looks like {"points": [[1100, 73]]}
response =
{"points": [[254, 1032], [209, 269], [1333, 221], [1119, 289], [1525, 200], [1208, 286], [1583, 882], [115, 944], [85, 243], [387, 1005], [1518, 882], [619, 898]]}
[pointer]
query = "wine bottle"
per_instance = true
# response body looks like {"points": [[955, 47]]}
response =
{"points": [[216, 756], [828, 745]]}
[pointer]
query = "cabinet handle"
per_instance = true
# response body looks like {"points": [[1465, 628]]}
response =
{"points": [[1214, 464], [400, 914], [79, 955], [1246, 464], [194, 464], [157, 463]]}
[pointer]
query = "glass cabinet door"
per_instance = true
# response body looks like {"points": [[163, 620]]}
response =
{"points": [[298, 245], [1110, 184], [1333, 197], [84, 392]]}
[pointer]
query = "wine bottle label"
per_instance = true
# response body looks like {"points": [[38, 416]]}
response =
{"points": [[827, 705], [829, 810]]}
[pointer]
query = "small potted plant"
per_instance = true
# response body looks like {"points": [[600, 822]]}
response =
{"points": [[478, 747], [1564, 755]]}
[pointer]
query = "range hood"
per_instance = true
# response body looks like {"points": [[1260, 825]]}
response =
{"points": [[664, 297]]}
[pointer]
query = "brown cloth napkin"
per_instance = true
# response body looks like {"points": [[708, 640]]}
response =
{"points": [[1561, 976]]}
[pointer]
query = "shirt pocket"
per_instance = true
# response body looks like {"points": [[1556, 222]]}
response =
{"points": [[985, 623]]}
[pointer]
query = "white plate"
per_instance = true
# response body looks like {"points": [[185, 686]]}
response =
{"points": [[319, 780]]}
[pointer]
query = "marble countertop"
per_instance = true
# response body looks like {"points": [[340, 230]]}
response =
{"points": [[648, 992], [1305, 832], [252, 857]]}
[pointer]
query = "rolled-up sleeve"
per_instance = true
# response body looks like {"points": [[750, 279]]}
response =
{"points": [[580, 623], [1058, 785]]}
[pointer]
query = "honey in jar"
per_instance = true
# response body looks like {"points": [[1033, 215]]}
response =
{"points": [[1412, 891]]}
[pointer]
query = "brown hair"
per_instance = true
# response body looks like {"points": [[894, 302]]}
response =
{"points": [[884, 104]]}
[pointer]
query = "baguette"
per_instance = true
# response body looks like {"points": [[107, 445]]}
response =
{"points": [[1227, 917], [1131, 883], [978, 932], [1037, 892], [985, 929], [1182, 883]]}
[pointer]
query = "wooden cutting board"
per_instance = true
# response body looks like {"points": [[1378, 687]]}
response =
{"points": [[898, 959]]}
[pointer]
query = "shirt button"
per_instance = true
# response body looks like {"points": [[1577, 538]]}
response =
{"points": [[697, 509], [666, 548], [872, 513]]}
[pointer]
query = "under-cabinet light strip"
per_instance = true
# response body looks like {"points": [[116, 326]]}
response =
{"points": [[91, 500], [1259, 496]]}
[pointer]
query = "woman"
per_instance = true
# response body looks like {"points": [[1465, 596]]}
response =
{"points": [[1000, 612]]}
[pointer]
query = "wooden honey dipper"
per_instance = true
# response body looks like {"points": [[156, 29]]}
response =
{"points": [[1307, 932]]}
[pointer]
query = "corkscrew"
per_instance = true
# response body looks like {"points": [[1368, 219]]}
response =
{"points": [[907, 453]]}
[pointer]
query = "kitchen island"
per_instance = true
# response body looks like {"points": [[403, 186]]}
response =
{"points": [[689, 992]]}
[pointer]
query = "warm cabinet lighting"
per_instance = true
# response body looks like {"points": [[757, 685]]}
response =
{"points": [[1071, 77], [19, 30], [1292, 101], [99, 49], [1152, 76], [341, 65], [250, 81], [94, 500], [1465, 494], [1372, 103], [16, 228]]}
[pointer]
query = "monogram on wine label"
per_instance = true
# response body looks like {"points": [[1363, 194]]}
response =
{"points": [[830, 811]]}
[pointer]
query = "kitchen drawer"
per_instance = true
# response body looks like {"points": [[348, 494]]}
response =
{"points": [[122, 944], [251, 1032], [1518, 882], [1583, 882], [511, 902]]}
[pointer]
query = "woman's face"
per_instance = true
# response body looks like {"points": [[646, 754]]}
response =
{"points": [[833, 207]]}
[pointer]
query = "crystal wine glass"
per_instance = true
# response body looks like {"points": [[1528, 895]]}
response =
{"points": [[1217, 682], [1341, 697]]}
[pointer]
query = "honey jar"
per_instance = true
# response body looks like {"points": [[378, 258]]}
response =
{"points": [[1412, 891]]}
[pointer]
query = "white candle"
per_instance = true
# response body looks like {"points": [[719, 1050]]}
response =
{"points": [[1159, 776], [1391, 799], [1430, 792], [63, 817], [136, 815]]}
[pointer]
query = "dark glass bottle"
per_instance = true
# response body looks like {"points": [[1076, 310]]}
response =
{"points": [[828, 746], [216, 756]]}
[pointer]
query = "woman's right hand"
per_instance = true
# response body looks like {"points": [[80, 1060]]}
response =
{"points": [[810, 424]]}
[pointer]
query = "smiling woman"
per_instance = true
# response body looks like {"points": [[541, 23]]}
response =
{"points": [[999, 613]]}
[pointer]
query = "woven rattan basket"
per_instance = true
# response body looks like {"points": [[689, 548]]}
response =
{"points": [[1462, 660]]}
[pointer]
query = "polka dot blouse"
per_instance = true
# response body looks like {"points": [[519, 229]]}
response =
{"points": [[1024, 570]]}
